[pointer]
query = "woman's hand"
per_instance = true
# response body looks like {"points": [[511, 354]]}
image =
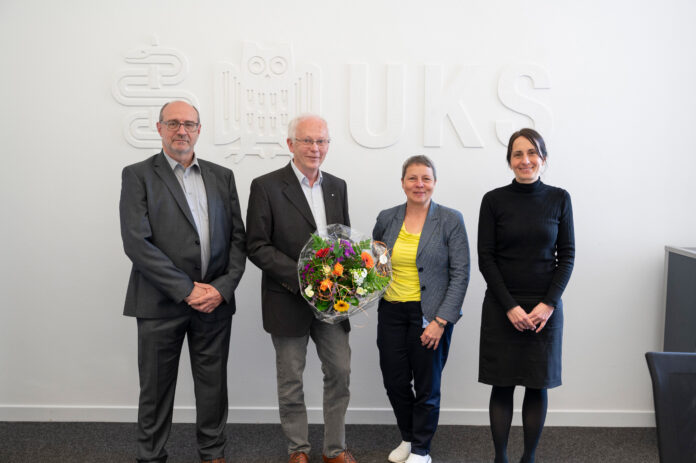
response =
{"points": [[519, 319], [431, 335], [540, 315]]}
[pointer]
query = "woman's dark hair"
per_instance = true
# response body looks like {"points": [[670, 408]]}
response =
{"points": [[533, 137], [418, 159]]}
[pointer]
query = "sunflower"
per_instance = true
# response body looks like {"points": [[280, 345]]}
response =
{"points": [[341, 306]]}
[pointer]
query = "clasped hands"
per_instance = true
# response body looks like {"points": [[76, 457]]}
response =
{"points": [[534, 320], [430, 338], [204, 297]]}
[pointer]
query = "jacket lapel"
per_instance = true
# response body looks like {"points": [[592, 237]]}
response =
{"points": [[293, 191], [211, 192], [164, 171], [333, 202], [394, 227], [431, 223]]}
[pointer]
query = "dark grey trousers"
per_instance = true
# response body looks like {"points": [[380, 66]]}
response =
{"points": [[159, 348]]}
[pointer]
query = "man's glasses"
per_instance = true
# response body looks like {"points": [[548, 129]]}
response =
{"points": [[309, 142], [174, 125]]}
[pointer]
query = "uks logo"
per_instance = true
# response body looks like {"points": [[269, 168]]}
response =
{"points": [[254, 102]]}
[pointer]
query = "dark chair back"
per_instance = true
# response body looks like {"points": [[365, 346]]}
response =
{"points": [[674, 392]]}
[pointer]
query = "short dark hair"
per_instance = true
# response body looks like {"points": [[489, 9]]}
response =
{"points": [[198, 115], [418, 159], [533, 137]]}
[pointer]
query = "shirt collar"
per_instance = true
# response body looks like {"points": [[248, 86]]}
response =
{"points": [[173, 163], [302, 178]]}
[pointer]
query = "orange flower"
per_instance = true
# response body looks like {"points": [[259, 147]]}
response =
{"points": [[326, 285], [338, 269], [367, 260], [341, 306]]}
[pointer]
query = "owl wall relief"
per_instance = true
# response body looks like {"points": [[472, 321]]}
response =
{"points": [[254, 103]]}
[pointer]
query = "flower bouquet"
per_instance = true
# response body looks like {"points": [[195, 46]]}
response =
{"points": [[342, 271]]}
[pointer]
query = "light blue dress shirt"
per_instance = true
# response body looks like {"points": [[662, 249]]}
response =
{"points": [[191, 182]]}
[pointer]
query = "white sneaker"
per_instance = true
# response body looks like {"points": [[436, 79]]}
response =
{"points": [[401, 453], [413, 458]]}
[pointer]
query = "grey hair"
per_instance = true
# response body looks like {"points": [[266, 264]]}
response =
{"points": [[292, 126], [418, 159]]}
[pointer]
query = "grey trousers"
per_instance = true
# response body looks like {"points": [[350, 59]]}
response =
{"points": [[159, 348], [333, 350]]}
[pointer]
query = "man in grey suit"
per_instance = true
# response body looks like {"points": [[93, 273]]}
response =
{"points": [[285, 207], [182, 228]]}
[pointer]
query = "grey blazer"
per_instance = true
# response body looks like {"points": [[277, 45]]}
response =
{"points": [[161, 239], [279, 223], [442, 257]]}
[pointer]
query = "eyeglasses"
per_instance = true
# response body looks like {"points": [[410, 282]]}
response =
{"points": [[174, 125], [309, 142]]}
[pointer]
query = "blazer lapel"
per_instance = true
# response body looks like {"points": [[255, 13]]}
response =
{"points": [[394, 227], [293, 191], [333, 202], [431, 223], [164, 171], [211, 192]]}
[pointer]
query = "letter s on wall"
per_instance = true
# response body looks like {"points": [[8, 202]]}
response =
{"points": [[511, 98]]}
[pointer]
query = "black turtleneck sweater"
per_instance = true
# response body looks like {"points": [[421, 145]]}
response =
{"points": [[526, 245]]}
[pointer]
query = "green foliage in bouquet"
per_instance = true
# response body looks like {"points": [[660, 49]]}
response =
{"points": [[340, 274]]}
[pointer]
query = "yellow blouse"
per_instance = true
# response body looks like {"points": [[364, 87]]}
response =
{"points": [[405, 285]]}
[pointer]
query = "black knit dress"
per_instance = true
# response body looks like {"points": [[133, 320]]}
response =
{"points": [[526, 250]]}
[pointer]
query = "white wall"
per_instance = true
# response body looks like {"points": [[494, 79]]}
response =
{"points": [[620, 115]]}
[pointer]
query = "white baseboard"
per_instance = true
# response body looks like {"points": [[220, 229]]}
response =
{"points": [[476, 417]]}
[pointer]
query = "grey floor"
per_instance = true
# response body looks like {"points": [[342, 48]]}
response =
{"points": [[261, 443]]}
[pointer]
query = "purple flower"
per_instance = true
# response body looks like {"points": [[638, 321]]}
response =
{"points": [[349, 251]]}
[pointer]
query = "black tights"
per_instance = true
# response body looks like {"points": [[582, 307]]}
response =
{"points": [[533, 416]]}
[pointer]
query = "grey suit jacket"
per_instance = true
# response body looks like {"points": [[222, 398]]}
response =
{"points": [[442, 257], [160, 238], [279, 223]]}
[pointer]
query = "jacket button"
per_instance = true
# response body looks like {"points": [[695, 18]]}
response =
{"points": [[423, 288], [420, 269], [198, 242], [197, 267]]}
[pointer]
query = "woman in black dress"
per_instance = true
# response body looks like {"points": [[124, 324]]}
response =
{"points": [[526, 250]]}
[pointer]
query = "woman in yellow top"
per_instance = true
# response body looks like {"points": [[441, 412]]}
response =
{"points": [[430, 262]]}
